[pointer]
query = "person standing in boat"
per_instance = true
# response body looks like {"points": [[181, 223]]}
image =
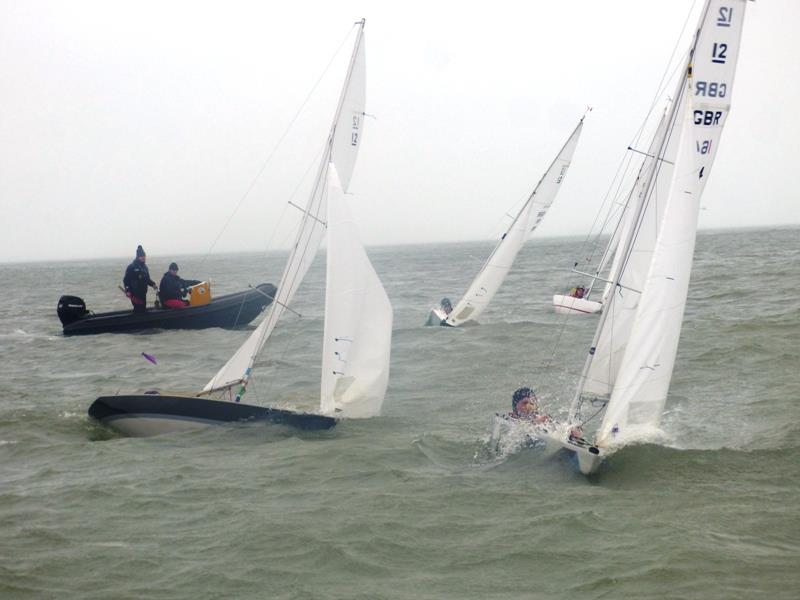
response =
{"points": [[136, 280], [172, 288]]}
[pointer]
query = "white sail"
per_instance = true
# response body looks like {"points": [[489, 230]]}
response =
{"points": [[344, 145], [358, 320], [650, 189], [349, 128], [494, 271], [625, 220], [640, 390]]}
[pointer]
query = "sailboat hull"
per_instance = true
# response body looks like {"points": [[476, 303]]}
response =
{"points": [[569, 305], [554, 442], [437, 317], [143, 415]]}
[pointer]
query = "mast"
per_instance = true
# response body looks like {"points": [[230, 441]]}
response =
{"points": [[238, 369], [629, 239]]}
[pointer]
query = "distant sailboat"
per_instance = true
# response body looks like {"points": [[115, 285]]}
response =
{"points": [[358, 315], [494, 271], [630, 361], [578, 300]]}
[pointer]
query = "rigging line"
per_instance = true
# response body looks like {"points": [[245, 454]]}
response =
{"points": [[654, 102], [311, 164], [664, 77], [588, 419], [238, 314], [274, 315], [280, 356], [652, 193], [273, 299], [586, 242], [275, 148]]}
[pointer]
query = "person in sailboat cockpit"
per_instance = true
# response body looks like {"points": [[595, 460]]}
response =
{"points": [[578, 292], [446, 305], [136, 280], [525, 406], [172, 288]]}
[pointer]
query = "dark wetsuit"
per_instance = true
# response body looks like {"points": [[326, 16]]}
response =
{"points": [[136, 280], [173, 288]]}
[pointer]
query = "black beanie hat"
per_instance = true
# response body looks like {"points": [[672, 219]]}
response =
{"points": [[523, 392], [139, 251], [173, 266]]}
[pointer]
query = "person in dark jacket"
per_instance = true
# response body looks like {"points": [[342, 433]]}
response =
{"points": [[172, 288], [136, 280]]}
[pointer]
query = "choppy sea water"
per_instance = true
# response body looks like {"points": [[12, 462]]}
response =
{"points": [[416, 503]]}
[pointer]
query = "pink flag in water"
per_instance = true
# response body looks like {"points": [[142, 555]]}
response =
{"points": [[150, 357]]}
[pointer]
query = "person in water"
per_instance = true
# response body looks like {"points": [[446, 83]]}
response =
{"points": [[136, 280], [172, 288]]}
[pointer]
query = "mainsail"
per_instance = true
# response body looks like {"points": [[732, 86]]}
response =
{"points": [[358, 319], [494, 271], [641, 379], [344, 140]]}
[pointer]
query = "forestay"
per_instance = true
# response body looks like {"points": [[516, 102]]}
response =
{"points": [[358, 319], [640, 390], [625, 223], [630, 268], [494, 271], [344, 141]]}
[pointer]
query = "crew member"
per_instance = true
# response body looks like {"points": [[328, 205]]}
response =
{"points": [[172, 288], [525, 405], [446, 306], [136, 280], [578, 292]]}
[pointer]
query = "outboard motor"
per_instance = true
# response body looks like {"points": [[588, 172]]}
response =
{"points": [[70, 309]]}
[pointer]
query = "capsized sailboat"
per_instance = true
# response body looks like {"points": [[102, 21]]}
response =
{"points": [[629, 365], [494, 271], [358, 315]]}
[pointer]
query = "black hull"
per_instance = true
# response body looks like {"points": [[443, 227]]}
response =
{"points": [[232, 310], [154, 414]]}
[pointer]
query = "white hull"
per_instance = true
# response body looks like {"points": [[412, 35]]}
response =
{"points": [[555, 442], [147, 426], [437, 317], [569, 305]]}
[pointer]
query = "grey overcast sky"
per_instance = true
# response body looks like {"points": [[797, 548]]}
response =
{"points": [[146, 122]]}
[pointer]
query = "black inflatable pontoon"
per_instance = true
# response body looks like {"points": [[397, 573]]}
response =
{"points": [[232, 310]]}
